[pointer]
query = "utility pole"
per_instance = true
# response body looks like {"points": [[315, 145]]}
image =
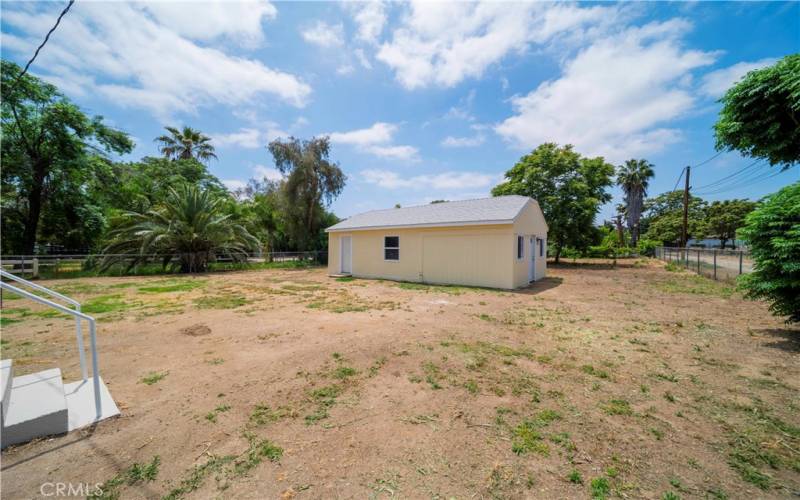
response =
{"points": [[684, 240]]}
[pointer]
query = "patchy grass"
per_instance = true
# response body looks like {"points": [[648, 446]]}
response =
{"points": [[135, 474], [212, 415], [618, 407], [695, 285], [153, 378], [221, 301], [173, 287]]}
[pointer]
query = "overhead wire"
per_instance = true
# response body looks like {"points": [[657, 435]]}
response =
{"points": [[44, 42]]}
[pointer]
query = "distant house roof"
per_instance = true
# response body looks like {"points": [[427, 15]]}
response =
{"points": [[496, 210]]}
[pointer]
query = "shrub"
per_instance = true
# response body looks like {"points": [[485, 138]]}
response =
{"points": [[772, 232], [647, 247]]}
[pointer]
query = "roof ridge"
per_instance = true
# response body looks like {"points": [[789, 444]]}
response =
{"points": [[442, 203]]}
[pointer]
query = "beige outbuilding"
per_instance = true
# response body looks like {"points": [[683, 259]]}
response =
{"points": [[498, 242]]}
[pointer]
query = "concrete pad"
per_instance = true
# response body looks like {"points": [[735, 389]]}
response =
{"points": [[81, 403], [6, 376], [37, 407]]}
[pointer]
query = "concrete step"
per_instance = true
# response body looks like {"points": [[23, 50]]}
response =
{"points": [[37, 407], [81, 403], [6, 375]]}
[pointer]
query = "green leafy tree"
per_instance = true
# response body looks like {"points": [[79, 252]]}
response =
{"points": [[187, 231], [569, 188], [760, 115], [137, 186], [724, 218], [47, 141], [634, 177], [185, 144], [663, 218], [312, 183], [772, 232]]}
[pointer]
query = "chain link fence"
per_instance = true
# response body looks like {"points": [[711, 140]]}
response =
{"points": [[714, 263], [79, 265]]}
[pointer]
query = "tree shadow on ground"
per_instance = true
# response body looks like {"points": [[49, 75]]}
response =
{"points": [[540, 286], [787, 339]]}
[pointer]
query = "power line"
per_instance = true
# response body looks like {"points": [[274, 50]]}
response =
{"points": [[750, 181], [679, 179], [730, 176], [44, 42], [708, 160]]}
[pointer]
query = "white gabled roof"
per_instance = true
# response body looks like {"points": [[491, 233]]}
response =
{"points": [[496, 210]]}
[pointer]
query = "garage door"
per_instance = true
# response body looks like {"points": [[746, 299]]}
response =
{"points": [[472, 259]]}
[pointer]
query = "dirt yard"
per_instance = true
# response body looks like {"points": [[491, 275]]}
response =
{"points": [[631, 382]]}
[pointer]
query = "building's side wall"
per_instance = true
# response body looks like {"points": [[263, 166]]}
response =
{"points": [[476, 256], [530, 222]]}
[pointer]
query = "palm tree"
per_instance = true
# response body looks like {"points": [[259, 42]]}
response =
{"points": [[188, 231], [634, 178], [186, 144]]}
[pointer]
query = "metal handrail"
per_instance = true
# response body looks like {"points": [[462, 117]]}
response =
{"points": [[78, 316], [75, 303]]}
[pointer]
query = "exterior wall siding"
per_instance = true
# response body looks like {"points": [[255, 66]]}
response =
{"points": [[467, 255], [476, 256], [530, 223]]}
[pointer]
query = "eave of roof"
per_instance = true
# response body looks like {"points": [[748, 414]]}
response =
{"points": [[413, 226]]}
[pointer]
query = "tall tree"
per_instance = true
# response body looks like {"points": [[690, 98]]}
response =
{"points": [[569, 188], [772, 232], [724, 218], [189, 229], [312, 182], [760, 115], [46, 139], [663, 218], [634, 177], [186, 144]]}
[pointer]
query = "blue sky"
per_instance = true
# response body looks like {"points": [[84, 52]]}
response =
{"points": [[422, 101]]}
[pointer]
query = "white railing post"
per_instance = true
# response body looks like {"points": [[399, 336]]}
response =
{"points": [[81, 350], [95, 369], [66, 310]]}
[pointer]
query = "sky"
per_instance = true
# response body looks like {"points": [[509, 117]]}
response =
{"points": [[421, 101]]}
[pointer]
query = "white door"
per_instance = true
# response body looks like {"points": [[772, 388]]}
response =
{"points": [[346, 254], [532, 260]]}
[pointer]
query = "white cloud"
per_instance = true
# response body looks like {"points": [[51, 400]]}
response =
{"points": [[345, 69], [362, 58], [269, 173], [324, 34], [715, 83], [139, 55], [249, 137], [463, 142], [376, 140], [443, 43], [603, 107], [240, 20], [370, 17], [378, 133], [447, 180], [233, 184], [394, 152]]}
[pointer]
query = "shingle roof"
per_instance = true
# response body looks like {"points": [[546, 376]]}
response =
{"points": [[496, 210]]}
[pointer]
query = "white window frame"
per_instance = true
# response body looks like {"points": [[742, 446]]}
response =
{"points": [[391, 248], [520, 239]]}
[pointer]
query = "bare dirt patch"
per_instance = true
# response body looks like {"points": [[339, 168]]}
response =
{"points": [[608, 381], [197, 330]]}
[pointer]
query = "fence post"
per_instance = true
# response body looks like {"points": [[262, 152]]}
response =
{"points": [[741, 254], [35, 267], [22, 271], [698, 261], [715, 263]]}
